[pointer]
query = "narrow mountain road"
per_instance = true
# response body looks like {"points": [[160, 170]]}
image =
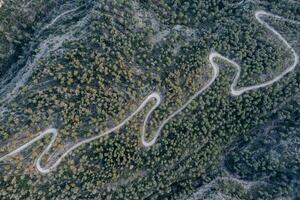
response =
{"points": [[157, 97]]}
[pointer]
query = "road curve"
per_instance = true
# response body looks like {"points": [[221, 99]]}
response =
{"points": [[157, 97]]}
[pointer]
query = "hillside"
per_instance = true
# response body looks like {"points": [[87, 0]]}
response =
{"points": [[149, 99]]}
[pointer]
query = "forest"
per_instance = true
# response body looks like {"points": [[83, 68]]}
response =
{"points": [[83, 66]]}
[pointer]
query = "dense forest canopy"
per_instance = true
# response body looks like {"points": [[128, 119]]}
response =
{"points": [[80, 67]]}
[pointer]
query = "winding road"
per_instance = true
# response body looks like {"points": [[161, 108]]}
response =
{"points": [[157, 97]]}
